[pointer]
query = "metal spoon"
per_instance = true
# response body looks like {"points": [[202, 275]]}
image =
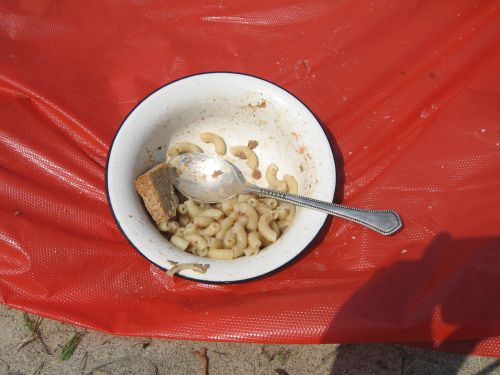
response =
{"points": [[210, 179]]}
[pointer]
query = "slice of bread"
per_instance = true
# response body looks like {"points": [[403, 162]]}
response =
{"points": [[157, 192]]}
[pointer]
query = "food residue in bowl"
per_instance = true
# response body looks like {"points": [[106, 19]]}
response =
{"points": [[252, 144], [256, 174]]}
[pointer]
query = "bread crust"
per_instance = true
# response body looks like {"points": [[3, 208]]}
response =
{"points": [[157, 192]]}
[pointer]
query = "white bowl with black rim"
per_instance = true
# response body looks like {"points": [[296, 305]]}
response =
{"points": [[239, 108]]}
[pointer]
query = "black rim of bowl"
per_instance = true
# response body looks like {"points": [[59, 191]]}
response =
{"points": [[277, 269]]}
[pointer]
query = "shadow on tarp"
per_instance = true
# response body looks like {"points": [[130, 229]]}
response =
{"points": [[339, 163], [455, 281]]}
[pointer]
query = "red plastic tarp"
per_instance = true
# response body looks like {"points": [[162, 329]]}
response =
{"points": [[409, 91]]}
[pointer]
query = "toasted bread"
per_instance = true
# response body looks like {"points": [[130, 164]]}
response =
{"points": [[157, 192]]}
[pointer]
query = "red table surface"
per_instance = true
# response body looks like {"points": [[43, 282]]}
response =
{"points": [[410, 92]]}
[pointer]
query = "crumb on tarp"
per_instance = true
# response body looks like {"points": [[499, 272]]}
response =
{"points": [[196, 267]]}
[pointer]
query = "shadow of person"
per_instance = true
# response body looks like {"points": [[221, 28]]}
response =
{"points": [[450, 293]]}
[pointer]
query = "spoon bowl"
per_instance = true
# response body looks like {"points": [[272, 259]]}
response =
{"points": [[205, 178]]}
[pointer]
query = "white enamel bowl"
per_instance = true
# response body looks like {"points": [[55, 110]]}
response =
{"points": [[240, 108]]}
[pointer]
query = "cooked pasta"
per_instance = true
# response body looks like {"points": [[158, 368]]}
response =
{"points": [[182, 209], [243, 198], [254, 241], [170, 226], [274, 226], [196, 240], [260, 207], [191, 228], [282, 212], [240, 226], [272, 180], [241, 239], [211, 230], [243, 152], [215, 243], [213, 213], [184, 220], [283, 224], [228, 205], [291, 184], [241, 218], [192, 208], [291, 211], [251, 251], [181, 232], [225, 225], [270, 202], [221, 253], [264, 225], [217, 141], [179, 242], [183, 147], [229, 239], [203, 221], [250, 213], [202, 252]]}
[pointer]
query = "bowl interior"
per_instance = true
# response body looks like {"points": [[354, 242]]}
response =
{"points": [[239, 108]]}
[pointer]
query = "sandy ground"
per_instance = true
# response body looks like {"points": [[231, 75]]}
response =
{"points": [[102, 354]]}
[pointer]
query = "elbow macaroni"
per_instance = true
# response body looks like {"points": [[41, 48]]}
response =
{"points": [[182, 148], [260, 207], [228, 205], [217, 141], [291, 184], [211, 230], [192, 208], [198, 242], [254, 241], [250, 213], [170, 226], [240, 226], [241, 240], [243, 152], [203, 221], [272, 180], [229, 239], [264, 225], [213, 213], [179, 242]]}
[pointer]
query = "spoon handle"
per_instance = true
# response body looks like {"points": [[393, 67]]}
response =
{"points": [[382, 221]]}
